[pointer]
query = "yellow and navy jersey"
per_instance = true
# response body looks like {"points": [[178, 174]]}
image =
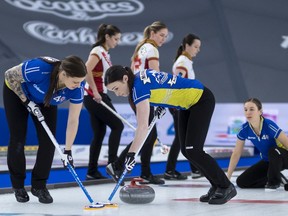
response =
{"points": [[166, 90]]}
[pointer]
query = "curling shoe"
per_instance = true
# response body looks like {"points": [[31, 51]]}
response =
{"points": [[271, 187], [150, 179], [114, 172], [21, 195], [210, 193], [223, 195], [174, 175], [196, 174], [95, 175], [43, 195]]}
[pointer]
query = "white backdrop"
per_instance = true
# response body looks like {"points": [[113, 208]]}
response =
{"points": [[225, 123], [226, 120]]}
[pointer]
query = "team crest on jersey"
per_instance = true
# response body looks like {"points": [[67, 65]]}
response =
{"points": [[173, 80], [144, 78], [265, 137], [143, 51], [59, 99], [160, 77]]}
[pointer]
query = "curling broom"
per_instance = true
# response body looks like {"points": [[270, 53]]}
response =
{"points": [[93, 205]]}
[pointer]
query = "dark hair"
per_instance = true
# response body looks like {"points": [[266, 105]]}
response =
{"points": [[102, 31], [116, 73], [155, 27], [188, 39], [256, 101], [72, 65]]}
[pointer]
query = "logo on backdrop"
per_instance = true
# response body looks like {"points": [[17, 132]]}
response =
{"points": [[284, 43], [51, 33], [84, 10]]}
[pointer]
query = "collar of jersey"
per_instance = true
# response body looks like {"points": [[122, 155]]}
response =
{"points": [[151, 42], [104, 47], [261, 125], [187, 55]]}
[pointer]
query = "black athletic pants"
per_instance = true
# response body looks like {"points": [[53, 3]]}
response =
{"points": [[100, 118], [262, 172], [175, 147], [193, 126], [146, 150], [17, 118]]}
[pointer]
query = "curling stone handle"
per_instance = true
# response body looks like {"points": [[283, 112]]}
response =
{"points": [[134, 180]]}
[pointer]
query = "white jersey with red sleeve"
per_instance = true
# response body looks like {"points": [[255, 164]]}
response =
{"points": [[101, 67], [147, 52], [183, 62]]}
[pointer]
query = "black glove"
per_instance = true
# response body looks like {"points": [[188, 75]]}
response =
{"points": [[34, 109], [130, 161], [68, 158], [159, 112]]}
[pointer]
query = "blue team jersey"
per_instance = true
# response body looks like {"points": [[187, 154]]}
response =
{"points": [[36, 73], [267, 138], [166, 90]]}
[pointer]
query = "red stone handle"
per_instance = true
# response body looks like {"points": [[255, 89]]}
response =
{"points": [[134, 180]]}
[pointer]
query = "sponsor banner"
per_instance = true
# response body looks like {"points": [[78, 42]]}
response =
{"points": [[53, 34], [228, 119], [225, 124], [81, 10]]}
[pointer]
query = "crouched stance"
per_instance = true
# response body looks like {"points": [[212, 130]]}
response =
{"points": [[196, 104]]}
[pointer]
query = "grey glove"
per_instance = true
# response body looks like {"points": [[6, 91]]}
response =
{"points": [[34, 109], [68, 158]]}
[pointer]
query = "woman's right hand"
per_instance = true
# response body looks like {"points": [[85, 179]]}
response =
{"points": [[97, 97]]}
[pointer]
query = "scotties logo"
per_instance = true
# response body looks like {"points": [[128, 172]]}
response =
{"points": [[284, 43], [85, 10]]}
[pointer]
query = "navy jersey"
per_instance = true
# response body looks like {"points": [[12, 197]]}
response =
{"points": [[267, 138], [36, 73], [166, 90]]}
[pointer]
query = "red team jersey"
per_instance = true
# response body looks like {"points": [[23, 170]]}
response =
{"points": [[148, 51], [100, 68]]}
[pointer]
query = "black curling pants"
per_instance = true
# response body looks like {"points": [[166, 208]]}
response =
{"points": [[100, 118], [175, 147], [17, 118], [262, 172], [193, 127]]}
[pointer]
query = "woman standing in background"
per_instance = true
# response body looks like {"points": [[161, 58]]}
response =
{"points": [[182, 66], [146, 56], [98, 62]]}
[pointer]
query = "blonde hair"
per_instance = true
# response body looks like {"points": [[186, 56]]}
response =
{"points": [[155, 27]]}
